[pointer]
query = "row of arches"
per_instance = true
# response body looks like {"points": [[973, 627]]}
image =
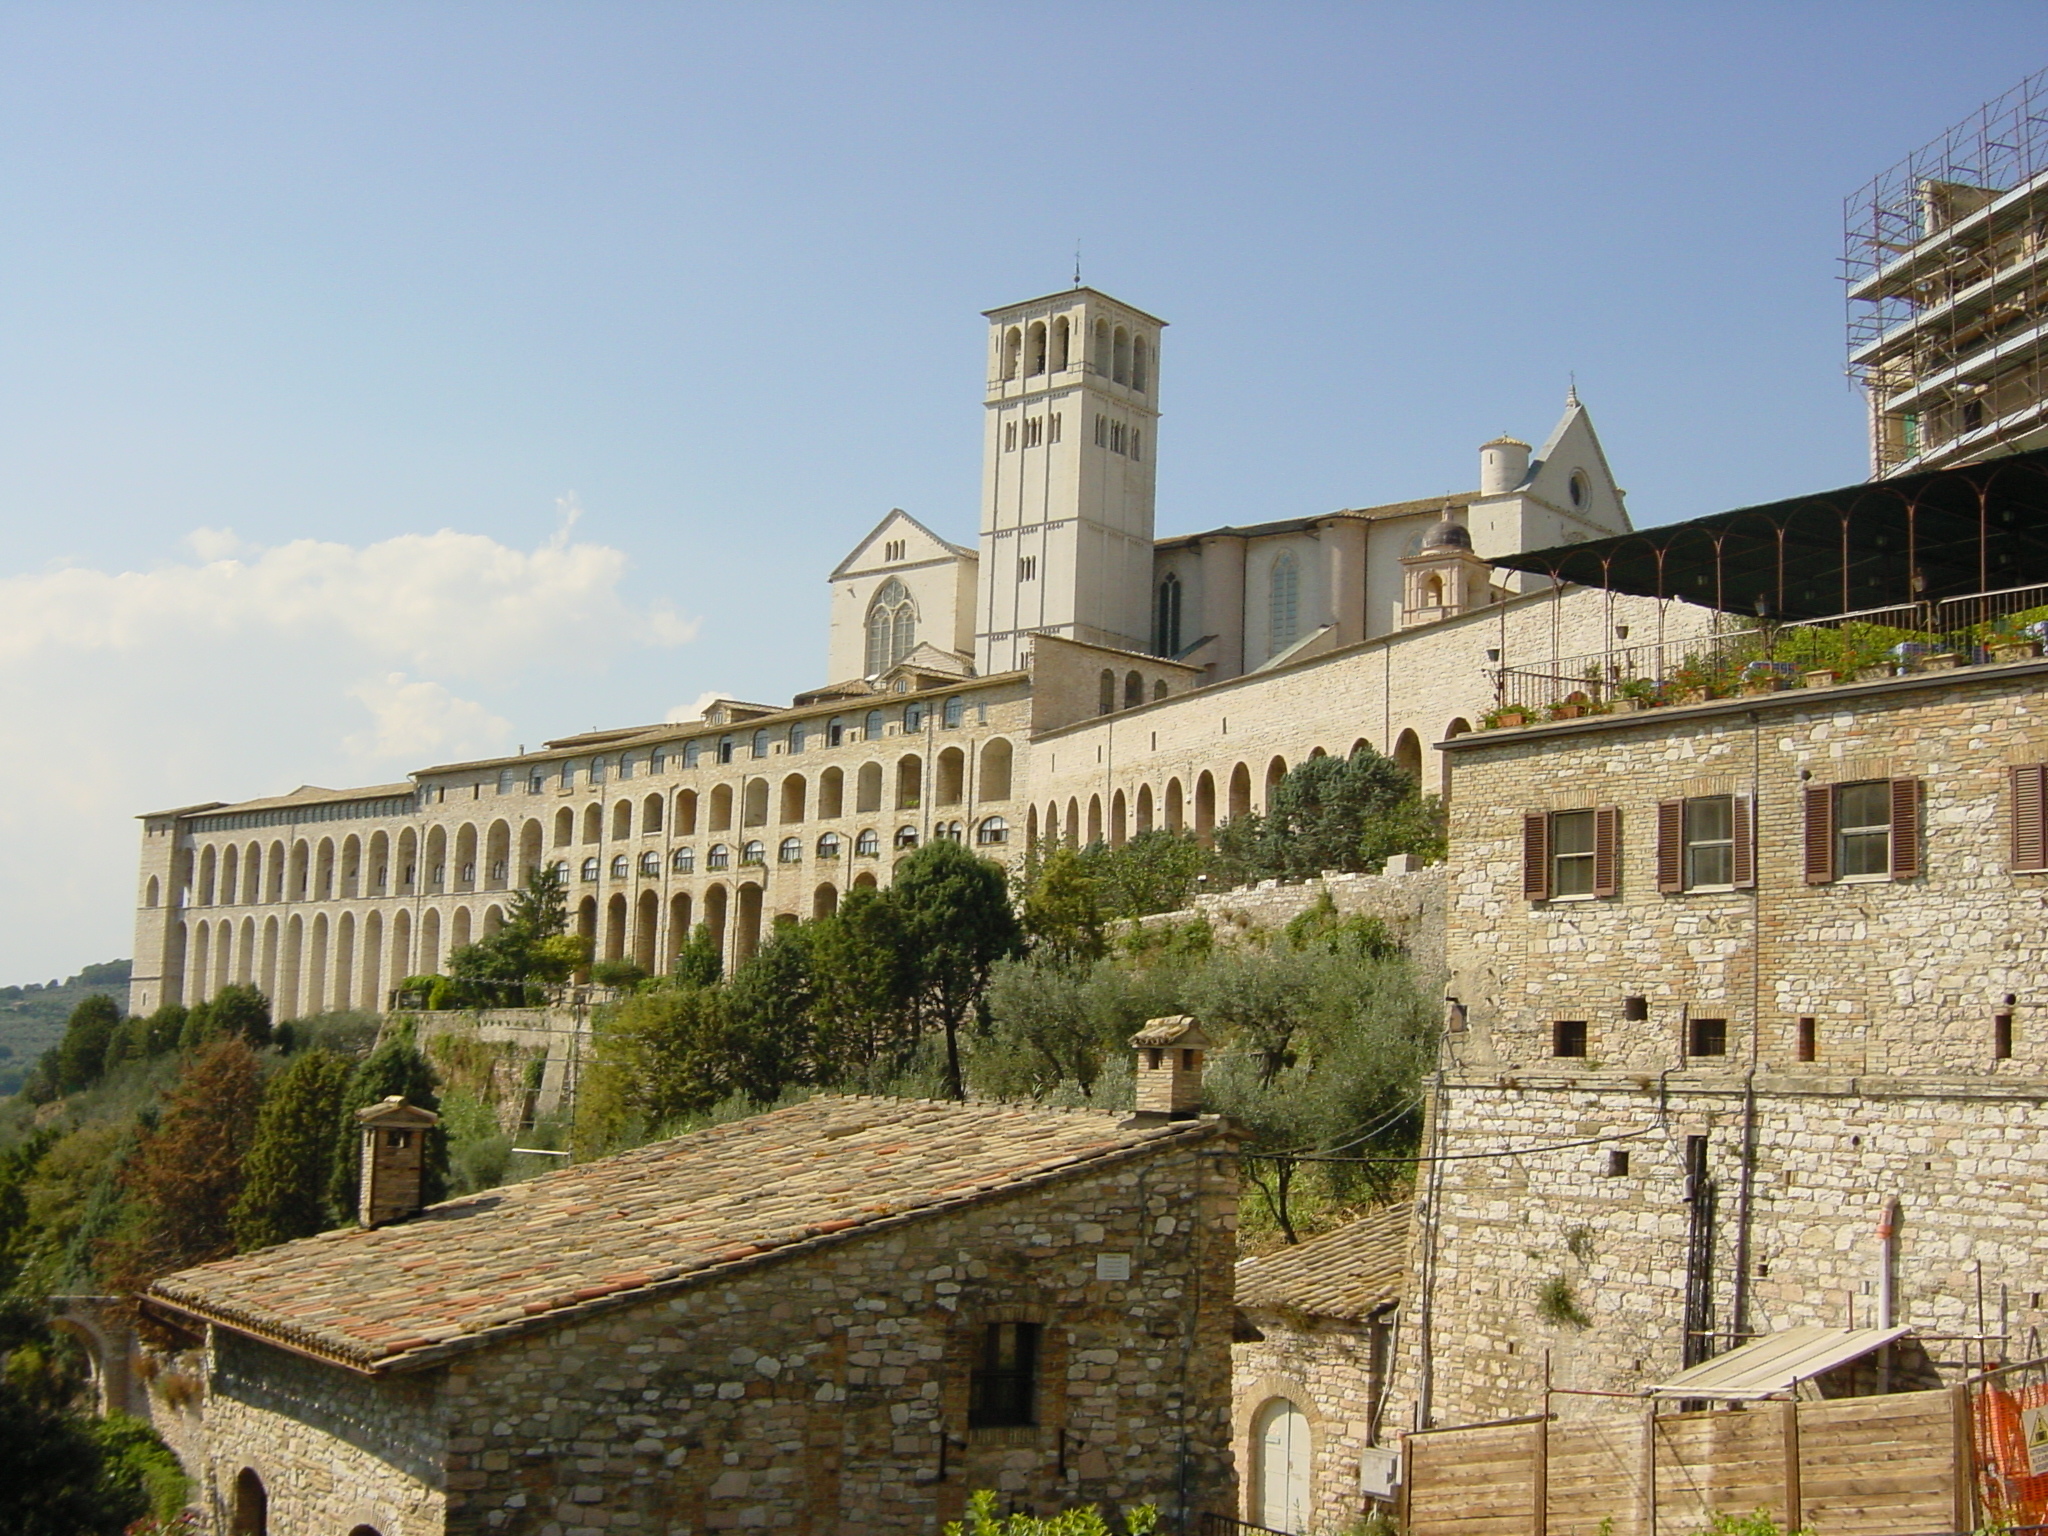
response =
{"points": [[312, 963], [1114, 351], [1133, 688], [1197, 804], [442, 859]]}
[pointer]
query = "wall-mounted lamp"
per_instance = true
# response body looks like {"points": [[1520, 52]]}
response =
{"points": [[1493, 653], [1621, 631], [1763, 605]]}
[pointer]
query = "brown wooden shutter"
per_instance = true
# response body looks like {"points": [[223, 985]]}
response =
{"points": [[2029, 823], [1820, 833], [1905, 829], [1606, 850], [1670, 845], [1744, 856], [1536, 856]]}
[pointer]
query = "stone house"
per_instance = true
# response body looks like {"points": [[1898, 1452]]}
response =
{"points": [[840, 1317], [1746, 1020], [1310, 1374]]}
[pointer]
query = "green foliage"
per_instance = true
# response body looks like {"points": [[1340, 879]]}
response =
{"points": [[618, 973], [182, 1182], [861, 980], [138, 1464], [1062, 914], [1155, 871], [1086, 1520], [533, 948], [479, 1148], [58, 1479], [768, 1035], [290, 1167], [1055, 1027], [957, 924], [235, 1012], [1758, 1522], [1348, 813], [1558, 1305], [82, 1055], [697, 962], [657, 1057], [394, 1067]]}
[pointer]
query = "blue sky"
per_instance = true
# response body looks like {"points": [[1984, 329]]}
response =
{"points": [[386, 383]]}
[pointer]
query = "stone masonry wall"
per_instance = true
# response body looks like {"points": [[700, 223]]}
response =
{"points": [[1324, 1367], [822, 1393], [1410, 902]]}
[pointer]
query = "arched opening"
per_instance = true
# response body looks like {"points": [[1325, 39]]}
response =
{"points": [[1105, 692], [458, 928], [1120, 356], [497, 871], [909, 782], [996, 758], [365, 1530], [252, 874], [949, 779], [716, 901], [865, 881], [622, 820], [1031, 827], [1176, 809], [494, 919], [373, 959], [686, 813], [593, 823], [251, 1515], [793, 796], [230, 868], [400, 963], [1159, 690], [721, 808], [747, 931], [151, 893], [437, 859], [1098, 351], [345, 957], [650, 814], [1433, 591], [1013, 344], [277, 874], [1144, 809], [1094, 819], [1141, 365], [824, 901], [892, 628], [301, 866], [678, 928], [1073, 821], [269, 974], [1240, 791], [430, 943], [586, 927], [1134, 690], [1062, 336], [1408, 754], [615, 927], [314, 998], [529, 850], [206, 858], [1276, 770], [1280, 1467], [646, 929], [1118, 821], [1034, 348], [756, 808], [1166, 616], [868, 788], [565, 827], [831, 794], [1205, 806]]}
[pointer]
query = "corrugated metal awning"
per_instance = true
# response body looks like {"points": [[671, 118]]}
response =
{"points": [[1776, 1363]]}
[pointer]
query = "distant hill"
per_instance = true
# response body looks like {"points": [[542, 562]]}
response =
{"points": [[32, 1016]]}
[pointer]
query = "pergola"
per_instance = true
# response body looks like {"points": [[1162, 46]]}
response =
{"points": [[1924, 538]]}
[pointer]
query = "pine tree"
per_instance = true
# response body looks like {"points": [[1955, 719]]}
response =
{"points": [[395, 1067], [291, 1161], [186, 1173]]}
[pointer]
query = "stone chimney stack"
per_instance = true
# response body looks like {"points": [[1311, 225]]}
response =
{"points": [[1170, 1068], [394, 1160]]}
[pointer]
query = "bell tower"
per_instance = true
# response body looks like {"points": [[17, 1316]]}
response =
{"points": [[1071, 439]]}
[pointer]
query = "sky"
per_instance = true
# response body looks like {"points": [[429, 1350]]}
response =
{"points": [[385, 384]]}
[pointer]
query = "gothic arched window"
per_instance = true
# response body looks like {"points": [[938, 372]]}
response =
{"points": [[1166, 623], [1284, 604], [892, 627]]}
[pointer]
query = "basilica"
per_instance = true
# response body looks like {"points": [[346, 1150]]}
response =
{"points": [[1069, 676]]}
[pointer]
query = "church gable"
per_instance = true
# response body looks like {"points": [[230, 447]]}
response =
{"points": [[1570, 474], [897, 540]]}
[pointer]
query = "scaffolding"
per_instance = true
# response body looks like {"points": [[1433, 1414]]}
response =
{"points": [[1945, 259]]}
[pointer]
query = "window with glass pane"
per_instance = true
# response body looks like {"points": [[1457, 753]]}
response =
{"points": [[1003, 1387], [1863, 828], [1571, 853], [1710, 841]]}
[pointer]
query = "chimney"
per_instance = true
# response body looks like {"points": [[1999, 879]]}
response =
{"points": [[394, 1159], [1170, 1068]]}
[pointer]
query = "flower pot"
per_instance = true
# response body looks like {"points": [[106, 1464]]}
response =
{"points": [[1625, 705], [1822, 677], [1567, 711], [2004, 651], [1508, 720], [1692, 695], [1763, 685], [1941, 661], [1877, 674]]}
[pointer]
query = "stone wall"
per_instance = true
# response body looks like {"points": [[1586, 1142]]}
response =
{"points": [[825, 1392], [1408, 900], [1325, 1368]]}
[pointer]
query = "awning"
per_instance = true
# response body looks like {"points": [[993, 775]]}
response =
{"points": [[1776, 1363], [1939, 534]]}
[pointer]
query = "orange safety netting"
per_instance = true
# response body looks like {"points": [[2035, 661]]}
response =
{"points": [[2007, 1486]]}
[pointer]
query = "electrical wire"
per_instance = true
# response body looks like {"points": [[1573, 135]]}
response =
{"points": [[1450, 1157]]}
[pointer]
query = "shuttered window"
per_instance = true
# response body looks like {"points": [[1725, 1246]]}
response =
{"points": [[1571, 853], [1863, 830], [1706, 843], [2029, 815]]}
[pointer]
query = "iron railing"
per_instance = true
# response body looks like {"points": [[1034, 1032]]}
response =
{"points": [[1754, 656]]}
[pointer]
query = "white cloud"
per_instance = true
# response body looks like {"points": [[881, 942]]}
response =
{"points": [[683, 714], [247, 670]]}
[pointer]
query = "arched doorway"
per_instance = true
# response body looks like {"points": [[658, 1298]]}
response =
{"points": [[1280, 1476], [252, 1505]]}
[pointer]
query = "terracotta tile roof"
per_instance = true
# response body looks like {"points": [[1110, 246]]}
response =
{"points": [[653, 1220], [1351, 1272]]}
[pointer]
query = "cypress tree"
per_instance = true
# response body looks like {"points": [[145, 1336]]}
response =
{"points": [[395, 1067], [290, 1168]]}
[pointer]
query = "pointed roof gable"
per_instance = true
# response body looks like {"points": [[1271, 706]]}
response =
{"points": [[1573, 444], [897, 518]]}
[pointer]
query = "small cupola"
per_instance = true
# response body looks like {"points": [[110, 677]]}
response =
{"points": [[394, 1160], [1170, 1067]]}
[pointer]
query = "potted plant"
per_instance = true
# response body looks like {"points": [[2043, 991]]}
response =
{"points": [[1821, 677], [1506, 717], [2011, 641]]}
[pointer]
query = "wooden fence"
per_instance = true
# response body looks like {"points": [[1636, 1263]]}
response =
{"points": [[1897, 1465]]}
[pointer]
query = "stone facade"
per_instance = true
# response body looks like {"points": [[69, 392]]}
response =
{"points": [[823, 1388], [1700, 1101], [1409, 900]]}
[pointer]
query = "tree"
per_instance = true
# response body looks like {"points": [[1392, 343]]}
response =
{"points": [[861, 982], [240, 1011], [186, 1173], [1333, 813], [1156, 871], [658, 1056], [395, 1067], [1054, 1026], [957, 924], [290, 1168], [532, 948], [697, 961], [1062, 916], [82, 1054], [769, 1037]]}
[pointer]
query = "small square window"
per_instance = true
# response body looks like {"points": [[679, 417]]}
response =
{"points": [[1707, 1037], [1568, 1037], [1617, 1163]]}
